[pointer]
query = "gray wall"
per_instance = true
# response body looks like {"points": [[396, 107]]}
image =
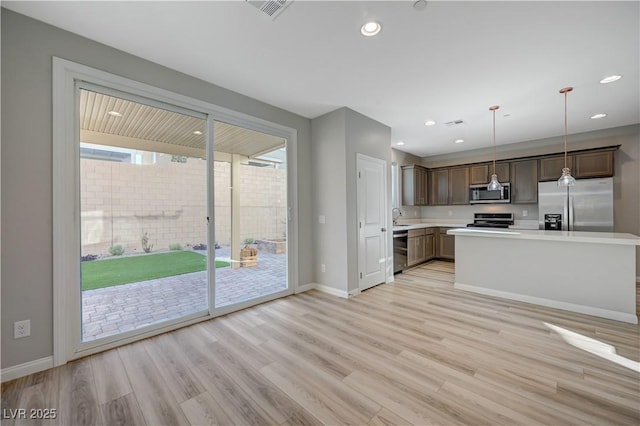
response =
{"points": [[371, 138], [27, 49], [337, 137], [329, 174]]}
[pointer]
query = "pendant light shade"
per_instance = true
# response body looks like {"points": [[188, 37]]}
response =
{"points": [[494, 184], [566, 179]]}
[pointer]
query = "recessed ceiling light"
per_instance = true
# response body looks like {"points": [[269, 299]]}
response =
{"points": [[429, 123], [197, 132], [596, 116], [114, 114], [610, 79], [370, 29], [459, 140], [400, 143], [420, 5]]}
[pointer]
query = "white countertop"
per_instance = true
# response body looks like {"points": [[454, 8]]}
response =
{"points": [[566, 236], [456, 223], [426, 225]]}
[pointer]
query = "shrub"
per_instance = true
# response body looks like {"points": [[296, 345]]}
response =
{"points": [[200, 246], [248, 241], [116, 250], [145, 243], [175, 246], [89, 257]]}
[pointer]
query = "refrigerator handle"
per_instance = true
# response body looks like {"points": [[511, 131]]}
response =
{"points": [[565, 217], [571, 218]]}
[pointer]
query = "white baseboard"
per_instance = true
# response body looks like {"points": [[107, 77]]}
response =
{"points": [[331, 290], [306, 287], [581, 309], [26, 368]]}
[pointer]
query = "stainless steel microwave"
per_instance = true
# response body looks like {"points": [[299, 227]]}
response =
{"points": [[479, 194]]}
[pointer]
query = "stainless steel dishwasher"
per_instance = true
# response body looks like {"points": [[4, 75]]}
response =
{"points": [[399, 250]]}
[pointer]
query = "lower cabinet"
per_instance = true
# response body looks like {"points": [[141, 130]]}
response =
{"points": [[446, 245], [416, 247], [429, 243]]}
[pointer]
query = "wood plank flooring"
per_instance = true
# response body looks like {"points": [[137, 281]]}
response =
{"points": [[414, 352]]}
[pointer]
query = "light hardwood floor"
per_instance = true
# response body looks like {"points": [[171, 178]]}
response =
{"points": [[414, 352]]}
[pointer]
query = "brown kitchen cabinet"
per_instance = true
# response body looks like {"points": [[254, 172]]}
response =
{"points": [[524, 182], [481, 173], [446, 248], [439, 187], [551, 167], [416, 247], [459, 185], [414, 185], [430, 243], [593, 164]]}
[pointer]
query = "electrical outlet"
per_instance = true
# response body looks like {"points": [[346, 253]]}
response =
{"points": [[323, 268], [21, 329], [525, 213]]}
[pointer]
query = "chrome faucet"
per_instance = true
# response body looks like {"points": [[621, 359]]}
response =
{"points": [[393, 215]]}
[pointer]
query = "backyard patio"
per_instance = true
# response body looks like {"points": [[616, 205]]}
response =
{"points": [[112, 310]]}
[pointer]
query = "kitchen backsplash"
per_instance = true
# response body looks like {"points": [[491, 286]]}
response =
{"points": [[520, 211]]}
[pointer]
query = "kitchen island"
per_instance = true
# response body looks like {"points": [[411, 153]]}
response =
{"points": [[592, 273]]}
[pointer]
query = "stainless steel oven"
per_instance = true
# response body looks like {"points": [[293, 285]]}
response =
{"points": [[399, 251]]}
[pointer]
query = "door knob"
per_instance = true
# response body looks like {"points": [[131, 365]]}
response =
{"points": [[383, 229]]}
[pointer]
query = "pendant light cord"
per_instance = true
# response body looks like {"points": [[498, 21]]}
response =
{"points": [[565, 129], [565, 91], [494, 142]]}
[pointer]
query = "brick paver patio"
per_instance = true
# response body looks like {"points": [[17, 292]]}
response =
{"points": [[113, 310]]}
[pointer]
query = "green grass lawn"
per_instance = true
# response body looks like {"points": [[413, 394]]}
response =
{"points": [[124, 270]]}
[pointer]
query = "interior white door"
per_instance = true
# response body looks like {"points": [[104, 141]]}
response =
{"points": [[372, 220]]}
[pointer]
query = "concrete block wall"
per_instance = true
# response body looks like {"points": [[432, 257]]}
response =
{"points": [[121, 201]]}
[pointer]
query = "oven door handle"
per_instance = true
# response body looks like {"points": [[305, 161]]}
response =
{"points": [[404, 234]]}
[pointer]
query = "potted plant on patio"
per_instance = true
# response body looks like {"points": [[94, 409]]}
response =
{"points": [[248, 254]]}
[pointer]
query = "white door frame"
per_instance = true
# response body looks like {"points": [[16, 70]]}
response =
{"points": [[66, 231], [384, 225]]}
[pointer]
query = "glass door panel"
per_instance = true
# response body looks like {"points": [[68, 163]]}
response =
{"points": [[143, 202], [250, 181]]}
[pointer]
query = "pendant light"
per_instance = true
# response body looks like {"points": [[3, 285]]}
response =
{"points": [[494, 184], [566, 179]]}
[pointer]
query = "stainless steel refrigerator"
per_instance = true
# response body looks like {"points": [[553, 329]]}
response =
{"points": [[585, 206]]}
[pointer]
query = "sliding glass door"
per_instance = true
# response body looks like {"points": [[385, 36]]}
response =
{"points": [[167, 210], [250, 183], [143, 215]]}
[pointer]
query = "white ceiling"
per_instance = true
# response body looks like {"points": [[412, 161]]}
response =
{"points": [[452, 60]]}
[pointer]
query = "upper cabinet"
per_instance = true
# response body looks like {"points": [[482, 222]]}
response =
{"points": [[450, 185], [551, 167], [414, 186], [459, 185], [481, 173], [439, 187], [582, 164], [594, 164], [524, 182]]}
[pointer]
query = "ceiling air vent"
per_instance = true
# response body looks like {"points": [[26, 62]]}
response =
{"points": [[271, 8], [454, 123]]}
